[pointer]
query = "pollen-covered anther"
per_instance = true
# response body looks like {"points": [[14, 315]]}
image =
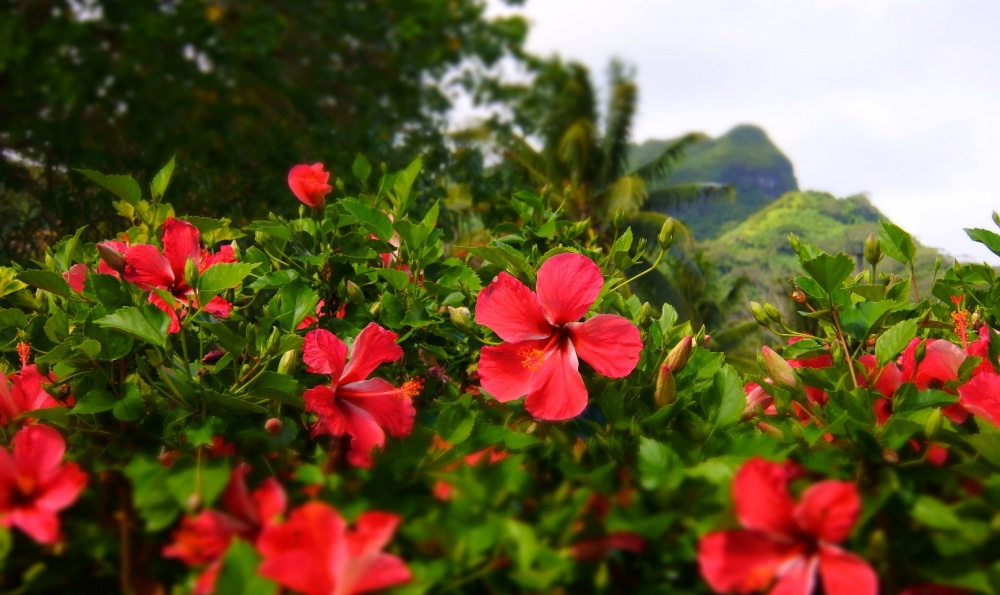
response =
{"points": [[532, 359], [411, 387]]}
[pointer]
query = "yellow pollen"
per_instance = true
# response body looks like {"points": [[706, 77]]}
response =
{"points": [[532, 358], [412, 387]]}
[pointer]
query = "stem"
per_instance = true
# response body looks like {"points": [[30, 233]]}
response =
{"points": [[656, 263], [913, 280], [843, 343]]}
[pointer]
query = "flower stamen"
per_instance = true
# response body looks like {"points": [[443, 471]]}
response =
{"points": [[532, 359]]}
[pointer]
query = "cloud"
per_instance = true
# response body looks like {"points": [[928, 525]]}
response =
{"points": [[895, 98]]}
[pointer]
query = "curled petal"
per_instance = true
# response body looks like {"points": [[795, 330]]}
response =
{"points": [[147, 268], [557, 389], [609, 343], [844, 573], [365, 434], [324, 353], [374, 345], [511, 310], [181, 241], [506, 370], [828, 510], [760, 493], [567, 286]]}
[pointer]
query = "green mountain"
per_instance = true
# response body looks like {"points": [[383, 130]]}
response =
{"points": [[745, 158]]}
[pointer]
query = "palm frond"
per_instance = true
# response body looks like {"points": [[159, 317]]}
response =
{"points": [[627, 193], [647, 224], [525, 156], [733, 334], [575, 146], [664, 164], [621, 111], [672, 197]]}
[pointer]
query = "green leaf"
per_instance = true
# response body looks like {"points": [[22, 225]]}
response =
{"points": [[859, 320], [369, 217], [935, 514], [12, 318], [149, 492], [361, 168], [430, 219], [667, 319], [398, 279], [896, 243], [188, 478], [727, 391], [46, 280], [124, 187], [230, 341], [238, 574], [220, 277], [271, 228], [454, 424], [658, 465], [8, 283], [405, 179], [159, 184], [230, 403], [130, 407], [828, 271], [297, 300], [805, 349], [149, 325], [95, 401], [985, 237], [893, 341], [280, 387], [274, 280]]}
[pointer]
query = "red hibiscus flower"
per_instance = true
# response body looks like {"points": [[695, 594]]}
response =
{"points": [[309, 184], [885, 380], [941, 362], [26, 393], [76, 276], [544, 342], [202, 540], [112, 257], [354, 404], [316, 554], [981, 348], [34, 487], [149, 268], [783, 544], [981, 396]]}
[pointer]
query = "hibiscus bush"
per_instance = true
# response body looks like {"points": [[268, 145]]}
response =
{"points": [[353, 401]]}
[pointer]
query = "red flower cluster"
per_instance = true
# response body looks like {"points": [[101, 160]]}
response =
{"points": [[544, 342], [354, 404], [25, 393], [784, 544]]}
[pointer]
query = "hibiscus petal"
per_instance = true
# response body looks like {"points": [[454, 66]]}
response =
{"points": [[981, 396], [237, 496], [181, 241], [742, 561], [828, 510], [218, 307], [760, 493], [225, 255], [887, 379], [322, 401], [324, 353], [365, 433], [147, 268], [202, 538], [61, 488], [511, 310], [383, 402], [557, 389], [374, 345], [306, 554], [375, 571], [940, 364], [844, 573], [76, 277], [270, 501], [609, 343], [38, 450], [372, 532], [798, 578], [40, 525], [567, 286], [159, 302], [505, 371]]}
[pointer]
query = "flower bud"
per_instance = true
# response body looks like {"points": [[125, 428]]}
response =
{"points": [[666, 388], [273, 342], [920, 352], [640, 246], [274, 426], [778, 369], [577, 228], [679, 355], [771, 430], [460, 318], [375, 308], [799, 296], [772, 312], [111, 257], [996, 218], [794, 241], [666, 237], [873, 249], [288, 362], [355, 294], [759, 314], [890, 456], [934, 425], [645, 315], [618, 218], [191, 273]]}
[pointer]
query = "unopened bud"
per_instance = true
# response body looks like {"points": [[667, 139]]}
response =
{"points": [[460, 318], [153, 358], [274, 426], [794, 241], [934, 425], [355, 294], [191, 273], [772, 312], [771, 430], [873, 249], [996, 218], [679, 355], [288, 362], [666, 388], [193, 501], [618, 218], [577, 228], [273, 342], [759, 314], [111, 257], [645, 315], [375, 308], [666, 237], [640, 246], [920, 352], [878, 545], [778, 369], [799, 296], [890, 456]]}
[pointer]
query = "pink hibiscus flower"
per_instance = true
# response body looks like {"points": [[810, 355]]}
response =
{"points": [[783, 545], [149, 268], [316, 554], [309, 184], [26, 393], [34, 487], [202, 540], [354, 404], [544, 342], [76, 276]]}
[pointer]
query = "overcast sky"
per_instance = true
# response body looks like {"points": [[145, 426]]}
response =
{"points": [[899, 99]]}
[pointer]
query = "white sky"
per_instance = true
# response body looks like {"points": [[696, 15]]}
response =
{"points": [[899, 99]]}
